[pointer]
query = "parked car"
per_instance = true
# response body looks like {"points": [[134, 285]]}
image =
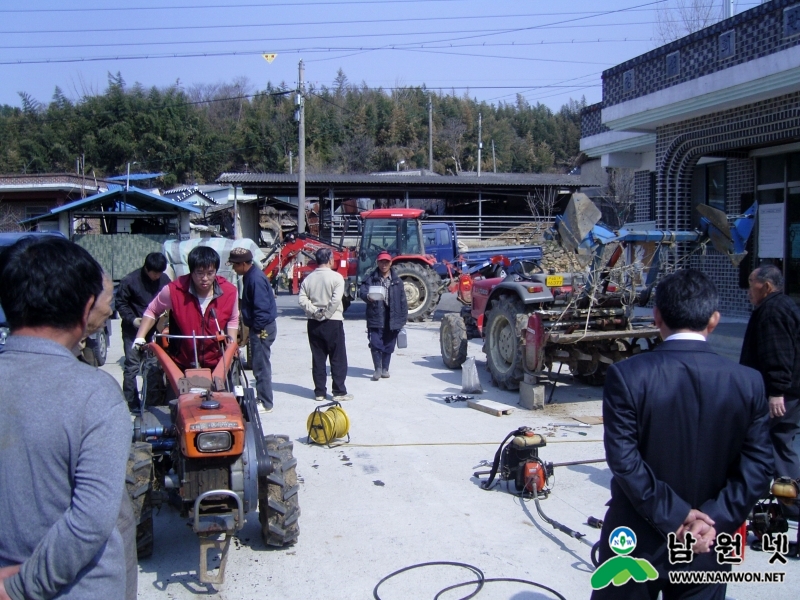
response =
{"points": [[94, 349]]}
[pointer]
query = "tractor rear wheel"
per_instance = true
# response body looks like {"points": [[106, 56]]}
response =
{"points": [[278, 508], [453, 340], [139, 483], [502, 345], [421, 284]]}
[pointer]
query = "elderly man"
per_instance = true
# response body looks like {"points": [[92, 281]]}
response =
{"points": [[258, 313], [687, 444], [64, 466], [772, 347], [321, 299]]}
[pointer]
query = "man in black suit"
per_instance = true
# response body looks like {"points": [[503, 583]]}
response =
{"points": [[687, 442]]}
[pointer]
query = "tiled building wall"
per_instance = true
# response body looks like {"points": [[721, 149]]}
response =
{"points": [[641, 183], [758, 32], [591, 123]]}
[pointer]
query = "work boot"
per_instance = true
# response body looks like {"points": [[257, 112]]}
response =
{"points": [[376, 361], [387, 356]]}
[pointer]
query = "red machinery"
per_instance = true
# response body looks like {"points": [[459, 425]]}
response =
{"points": [[396, 230]]}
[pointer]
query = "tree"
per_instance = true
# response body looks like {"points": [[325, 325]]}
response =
{"points": [[678, 18]]}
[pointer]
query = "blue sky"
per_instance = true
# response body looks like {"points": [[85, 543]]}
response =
{"points": [[549, 52]]}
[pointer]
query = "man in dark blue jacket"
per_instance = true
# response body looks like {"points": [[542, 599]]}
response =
{"points": [[386, 316], [687, 443], [258, 312], [135, 292]]}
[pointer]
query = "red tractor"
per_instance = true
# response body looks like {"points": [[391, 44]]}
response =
{"points": [[396, 230]]}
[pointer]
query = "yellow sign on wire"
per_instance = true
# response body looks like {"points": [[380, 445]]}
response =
{"points": [[269, 57]]}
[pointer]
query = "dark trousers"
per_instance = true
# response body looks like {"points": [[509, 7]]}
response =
{"points": [[130, 370], [383, 341], [261, 349], [783, 431], [326, 339]]}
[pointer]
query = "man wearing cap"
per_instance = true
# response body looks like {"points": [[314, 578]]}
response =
{"points": [[258, 313], [385, 317]]}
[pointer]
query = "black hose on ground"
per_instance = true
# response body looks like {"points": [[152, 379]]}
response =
{"points": [[478, 582]]}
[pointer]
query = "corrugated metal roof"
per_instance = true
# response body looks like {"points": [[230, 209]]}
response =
{"points": [[139, 199], [486, 180]]}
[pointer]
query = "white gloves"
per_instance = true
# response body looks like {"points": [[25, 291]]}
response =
{"points": [[139, 344]]}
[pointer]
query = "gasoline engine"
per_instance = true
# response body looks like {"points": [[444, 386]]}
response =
{"points": [[518, 461], [769, 515]]}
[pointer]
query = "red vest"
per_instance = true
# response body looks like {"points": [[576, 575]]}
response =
{"points": [[186, 317]]}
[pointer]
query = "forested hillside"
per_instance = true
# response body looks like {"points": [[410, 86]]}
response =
{"points": [[195, 133]]}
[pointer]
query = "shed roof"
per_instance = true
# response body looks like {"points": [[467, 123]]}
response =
{"points": [[118, 201]]}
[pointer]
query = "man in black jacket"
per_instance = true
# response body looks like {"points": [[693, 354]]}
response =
{"points": [[385, 317], [258, 312], [135, 292], [772, 346], [687, 444]]}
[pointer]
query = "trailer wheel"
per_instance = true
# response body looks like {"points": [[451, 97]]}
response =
{"points": [[453, 340], [421, 284], [502, 346], [139, 483], [278, 508]]}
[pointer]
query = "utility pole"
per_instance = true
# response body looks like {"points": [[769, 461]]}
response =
{"points": [[727, 9], [291, 167], [301, 153], [494, 162], [430, 133], [480, 144]]}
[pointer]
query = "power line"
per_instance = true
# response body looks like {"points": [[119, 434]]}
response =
{"points": [[215, 26], [225, 6]]}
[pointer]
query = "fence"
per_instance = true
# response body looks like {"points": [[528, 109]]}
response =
{"points": [[469, 227]]}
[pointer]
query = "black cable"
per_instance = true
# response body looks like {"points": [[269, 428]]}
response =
{"points": [[476, 570], [496, 579]]}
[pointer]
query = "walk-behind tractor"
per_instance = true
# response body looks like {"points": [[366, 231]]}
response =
{"points": [[204, 451], [530, 319]]}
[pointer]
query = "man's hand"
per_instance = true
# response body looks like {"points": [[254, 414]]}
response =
{"points": [[137, 322], [319, 315], [776, 407], [5, 573], [139, 344], [701, 527]]}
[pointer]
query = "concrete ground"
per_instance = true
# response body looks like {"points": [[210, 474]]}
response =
{"points": [[402, 491]]}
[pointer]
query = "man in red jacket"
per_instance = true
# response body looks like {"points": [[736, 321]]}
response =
{"points": [[201, 303]]}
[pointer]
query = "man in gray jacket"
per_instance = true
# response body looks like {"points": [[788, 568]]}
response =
{"points": [[65, 429], [321, 299]]}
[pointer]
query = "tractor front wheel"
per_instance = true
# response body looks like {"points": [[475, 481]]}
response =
{"points": [[278, 508], [453, 340], [421, 285], [139, 483]]}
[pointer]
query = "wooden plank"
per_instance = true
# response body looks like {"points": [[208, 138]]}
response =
{"points": [[490, 407], [590, 420]]}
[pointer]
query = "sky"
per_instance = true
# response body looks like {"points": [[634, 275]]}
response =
{"points": [[491, 50]]}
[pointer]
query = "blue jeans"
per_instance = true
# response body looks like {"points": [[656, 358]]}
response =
{"points": [[261, 349]]}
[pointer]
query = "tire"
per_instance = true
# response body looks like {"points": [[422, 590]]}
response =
{"points": [[278, 507], [346, 302], [503, 345], [453, 340], [421, 285], [139, 483], [101, 348]]}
